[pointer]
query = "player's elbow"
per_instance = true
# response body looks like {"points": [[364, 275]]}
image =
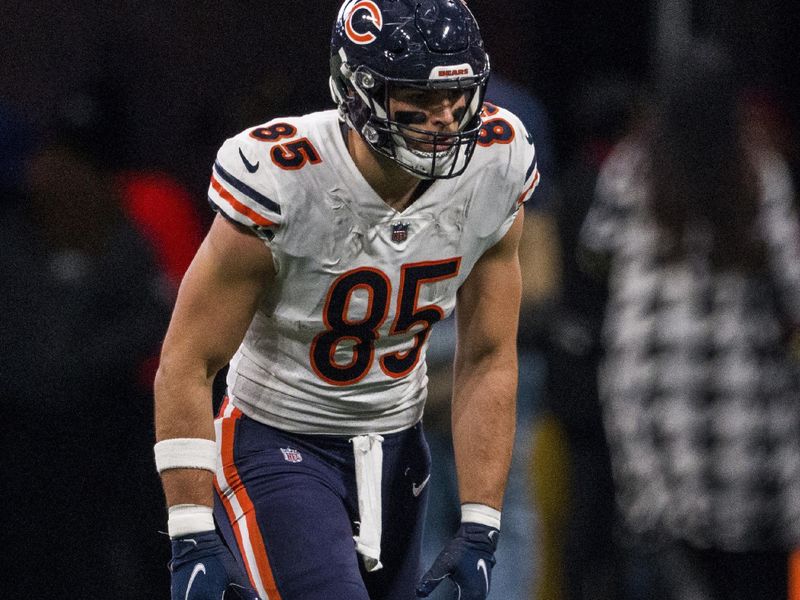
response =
{"points": [[500, 354], [166, 374], [179, 369]]}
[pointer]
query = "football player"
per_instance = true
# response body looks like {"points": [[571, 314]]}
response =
{"points": [[341, 238]]}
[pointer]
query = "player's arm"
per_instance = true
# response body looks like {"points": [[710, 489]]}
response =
{"points": [[485, 372], [483, 414], [216, 303]]}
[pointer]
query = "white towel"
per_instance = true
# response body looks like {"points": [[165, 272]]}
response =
{"points": [[368, 453]]}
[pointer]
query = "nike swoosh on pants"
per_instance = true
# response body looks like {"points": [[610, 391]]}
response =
{"points": [[417, 489]]}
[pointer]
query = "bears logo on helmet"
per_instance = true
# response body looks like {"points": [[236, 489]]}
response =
{"points": [[361, 18]]}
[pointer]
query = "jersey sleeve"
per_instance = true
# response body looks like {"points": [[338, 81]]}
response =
{"points": [[519, 172], [242, 192], [531, 177]]}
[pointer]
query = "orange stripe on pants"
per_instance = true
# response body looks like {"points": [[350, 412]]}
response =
{"points": [[249, 537], [794, 575]]}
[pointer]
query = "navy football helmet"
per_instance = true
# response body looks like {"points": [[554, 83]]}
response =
{"points": [[379, 45]]}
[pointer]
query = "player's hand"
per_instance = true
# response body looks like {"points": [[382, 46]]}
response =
{"points": [[467, 560], [203, 568]]}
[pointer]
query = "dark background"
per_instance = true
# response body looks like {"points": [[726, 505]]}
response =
{"points": [[185, 75]]}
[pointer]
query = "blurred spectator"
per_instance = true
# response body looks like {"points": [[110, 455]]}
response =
{"points": [[92, 119], [700, 393], [16, 143], [166, 216], [768, 124], [571, 468], [82, 308]]}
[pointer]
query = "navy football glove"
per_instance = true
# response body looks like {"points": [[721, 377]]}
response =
{"points": [[467, 560], [203, 568]]}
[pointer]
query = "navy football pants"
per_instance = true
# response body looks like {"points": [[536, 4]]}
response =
{"points": [[287, 506]]}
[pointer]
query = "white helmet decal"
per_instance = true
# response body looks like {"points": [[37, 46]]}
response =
{"points": [[451, 71]]}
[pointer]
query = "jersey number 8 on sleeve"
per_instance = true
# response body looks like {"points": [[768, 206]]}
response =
{"points": [[363, 332]]}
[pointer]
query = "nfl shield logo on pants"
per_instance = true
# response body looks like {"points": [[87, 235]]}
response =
{"points": [[291, 455]]}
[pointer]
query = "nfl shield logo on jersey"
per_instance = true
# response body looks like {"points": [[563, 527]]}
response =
{"points": [[399, 232], [291, 455]]}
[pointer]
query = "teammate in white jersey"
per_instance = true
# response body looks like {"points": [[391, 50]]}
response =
{"points": [[341, 238]]}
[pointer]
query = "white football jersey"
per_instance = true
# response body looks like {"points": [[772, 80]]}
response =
{"points": [[338, 342]]}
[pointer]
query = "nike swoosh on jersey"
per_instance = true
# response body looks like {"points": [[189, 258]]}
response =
{"points": [[417, 489], [482, 567], [252, 168], [198, 568]]}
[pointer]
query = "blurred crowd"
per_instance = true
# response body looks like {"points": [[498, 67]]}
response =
{"points": [[658, 445]]}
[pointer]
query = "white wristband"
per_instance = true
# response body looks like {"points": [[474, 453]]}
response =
{"points": [[480, 513], [185, 519], [186, 453]]}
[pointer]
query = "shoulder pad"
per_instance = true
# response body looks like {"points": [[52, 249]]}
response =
{"points": [[511, 148], [243, 189]]}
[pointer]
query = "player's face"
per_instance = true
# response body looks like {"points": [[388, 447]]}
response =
{"points": [[434, 111]]}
